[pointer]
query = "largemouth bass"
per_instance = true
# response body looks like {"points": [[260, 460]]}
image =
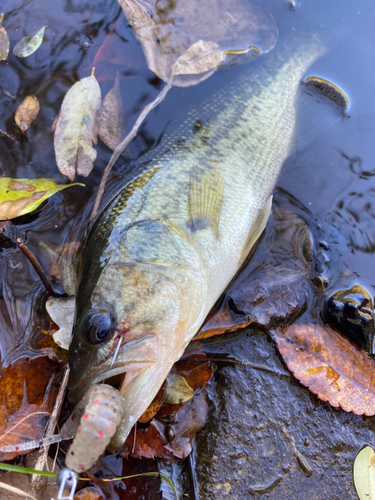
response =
{"points": [[165, 249]]}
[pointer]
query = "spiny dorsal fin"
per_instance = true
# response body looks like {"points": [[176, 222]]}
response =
{"points": [[256, 229], [206, 196]]}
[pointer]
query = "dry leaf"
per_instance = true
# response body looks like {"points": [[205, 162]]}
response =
{"points": [[364, 474], [89, 493], [330, 366], [4, 41], [61, 312], [201, 57], [165, 33], [77, 128], [112, 123], [22, 196], [29, 390], [26, 112], [29, 44]]}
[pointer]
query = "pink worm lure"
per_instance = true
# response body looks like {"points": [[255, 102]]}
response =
{"points": [[93, 423]]}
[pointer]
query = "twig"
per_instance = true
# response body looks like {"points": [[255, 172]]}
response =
{"points": [[251, 365], [42, 459], [35, 263], [125, 142], [192, 474], [16, 491]]}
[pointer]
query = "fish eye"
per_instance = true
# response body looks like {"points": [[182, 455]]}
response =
{"points": [[97, 325]]}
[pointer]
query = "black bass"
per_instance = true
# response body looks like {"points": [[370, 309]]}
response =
{"points": [[166, 248]]}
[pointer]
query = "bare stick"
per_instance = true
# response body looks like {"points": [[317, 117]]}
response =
{"points": [[125, 142], [43, 454], [35, 263]]}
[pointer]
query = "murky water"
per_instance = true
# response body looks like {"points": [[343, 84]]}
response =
{"points": [[333, 176]]}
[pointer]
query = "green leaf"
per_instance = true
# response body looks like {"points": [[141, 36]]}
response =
{"points": [[364, 474], [29, 44], [22, 196]]}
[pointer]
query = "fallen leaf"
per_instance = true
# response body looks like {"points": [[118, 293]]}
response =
{"points": [[178, 390], [199, 58], [77, 128], [26, 112], [331, 366], [22, 196], [154, 406], [111, 125], [364, 474], [61, 312], [89, 493], [4, 41], [165, 34], [29, 389], [29, 44]]}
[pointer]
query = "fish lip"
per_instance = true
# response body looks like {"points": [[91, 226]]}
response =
{"points": [[78, 391]]}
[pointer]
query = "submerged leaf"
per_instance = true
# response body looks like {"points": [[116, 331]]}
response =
{"points": [[200, 57], [331, 366], [29, 44], [77, 128], [61, 312], [165, 34], [26, 112], [112, 124], [30, 388], [4, 41], [22, 196], [364, 474]]}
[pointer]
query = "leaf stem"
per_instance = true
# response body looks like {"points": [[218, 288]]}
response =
{"points": [[35, 263]]}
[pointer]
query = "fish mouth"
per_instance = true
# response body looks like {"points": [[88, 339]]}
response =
{"points": [[99, 375]]}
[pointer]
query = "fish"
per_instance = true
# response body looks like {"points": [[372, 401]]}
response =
{"points": [[164, 250]]}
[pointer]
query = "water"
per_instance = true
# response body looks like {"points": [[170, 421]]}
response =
{"points": [[333, 177]]}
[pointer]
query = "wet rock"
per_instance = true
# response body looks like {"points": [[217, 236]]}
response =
{"points": [[351, 312], [268, 436]]}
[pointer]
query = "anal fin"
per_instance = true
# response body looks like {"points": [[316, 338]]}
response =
{"points": [[256, 229], [206, 197]]}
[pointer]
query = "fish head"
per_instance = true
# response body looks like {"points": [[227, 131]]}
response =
{"points": [[137, 316]]}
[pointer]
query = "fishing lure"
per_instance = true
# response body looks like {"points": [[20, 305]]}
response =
{"points": [[92, 425]]}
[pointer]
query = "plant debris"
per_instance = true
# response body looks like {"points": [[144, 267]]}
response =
{"points": [[29, 44], [112, 123], [331, 366], [364, 474], [76, 128], [26, 112], [22, 196], [4, 41]]}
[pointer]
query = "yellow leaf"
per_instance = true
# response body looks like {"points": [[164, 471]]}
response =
{"points": [[22, 196], [178, 390], [4, 41], [77, 128], [364, 474], [29, 44], [26, 112]]}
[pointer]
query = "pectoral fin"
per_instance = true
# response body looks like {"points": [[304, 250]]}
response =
{"points": [[206, 197], [257, 228]]}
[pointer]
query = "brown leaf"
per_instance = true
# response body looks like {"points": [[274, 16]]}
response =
{"points": [[112, 123], [28, 392], [4, 41], [26, 112], [330, 366], [165, 34], [89, 493], [154, 406]]}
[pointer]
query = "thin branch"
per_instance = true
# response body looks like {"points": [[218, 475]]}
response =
{"points": [[35, 263]]}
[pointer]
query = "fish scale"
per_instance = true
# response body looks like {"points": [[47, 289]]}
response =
{"points": [[163, 252]]}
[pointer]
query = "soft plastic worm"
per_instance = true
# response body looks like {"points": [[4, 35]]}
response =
{"points": [[100, 413], [93, 423]]}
